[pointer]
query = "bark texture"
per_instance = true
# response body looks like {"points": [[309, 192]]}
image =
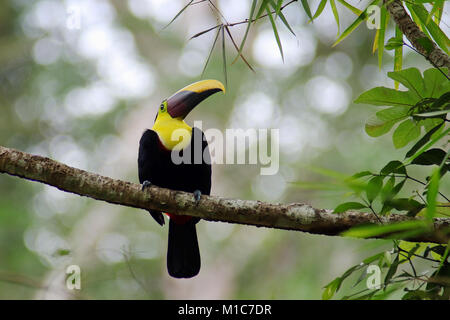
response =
{"points": [[413, 33], [294, 216]]}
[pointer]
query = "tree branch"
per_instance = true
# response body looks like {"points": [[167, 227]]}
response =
{"points": [[413, 33], [294, 216]]}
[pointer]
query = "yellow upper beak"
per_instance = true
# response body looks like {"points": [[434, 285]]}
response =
{"points": [[204, 85], [184, 100]]}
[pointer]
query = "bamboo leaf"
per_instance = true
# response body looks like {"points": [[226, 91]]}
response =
{"points": [[416, 19], [211, 51], [351, 8], [436, 11], [398, 54], [237, 49], [335, 13], [282, 17], [307, 9], [437, 34], [178, 14], [224, 57], [278, 7], [354, 25], [377, 230], [262, 8], [348, 206], [275, 32], [384, 19], [375, 41], [432, 192], [319, 9], [393, 43], [250, 18], [204, 31]]}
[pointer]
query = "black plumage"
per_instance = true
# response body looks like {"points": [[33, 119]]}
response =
{"points": [[156, 166]]}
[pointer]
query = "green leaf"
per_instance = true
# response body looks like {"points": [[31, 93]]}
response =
{"points": [[416, 19], [350, 29], [411, 79], [361, 174], [384, 19], [430, 123], [263, 7], [386, 191], [432, 192], [384, 120], [250, 18], [348, 206], [224, 58], [428, 145], [398, 54], [391, 271], [432, 113], [335, 14], [422, 141], [62, 252], [362, 16], [368, 231], [211, 51], [437, 11], [438, 35], [237, 49], [374, 187], [426, 43], [319, 9], [275, 32], [442, 102], [394, 166], [436, 83], [350, 7], [418, 295], [430, 157], [406, 132], [381, 96], [307, 9], [278, 7], [393, 43], [283, 18], [373, 258], [330, 289], [397, 188], [404, 204]]}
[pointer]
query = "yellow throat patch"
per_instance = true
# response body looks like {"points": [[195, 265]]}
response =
{"points": [[174, 133]]}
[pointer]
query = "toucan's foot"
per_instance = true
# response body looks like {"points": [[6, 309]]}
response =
{"points": [[197, 195], [146, 184]]}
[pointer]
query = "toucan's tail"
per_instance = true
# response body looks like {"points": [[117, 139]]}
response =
{"points": [[183, 255]]}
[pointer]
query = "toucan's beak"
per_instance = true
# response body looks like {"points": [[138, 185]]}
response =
{"points": [[183, 101]]}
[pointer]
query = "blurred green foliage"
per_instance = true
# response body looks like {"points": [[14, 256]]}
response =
{"points": [[80, 81]]}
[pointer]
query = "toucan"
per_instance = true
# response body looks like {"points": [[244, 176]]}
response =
{"points": [[160, 150]]}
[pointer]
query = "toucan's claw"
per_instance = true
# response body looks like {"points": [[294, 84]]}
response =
{"points": [[197, 195], [146, 184]]}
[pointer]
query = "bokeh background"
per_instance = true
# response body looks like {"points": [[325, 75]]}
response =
{"points": [[81, 79]]}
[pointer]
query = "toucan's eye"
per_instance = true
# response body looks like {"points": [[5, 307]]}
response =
{"points": [[162, 107]]}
